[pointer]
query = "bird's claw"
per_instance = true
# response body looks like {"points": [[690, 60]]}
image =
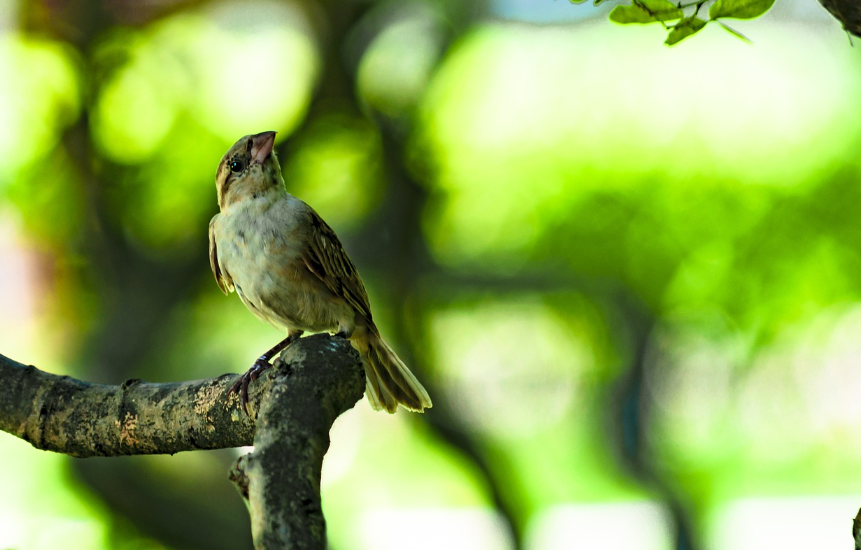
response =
{"points": [[241, 385]]}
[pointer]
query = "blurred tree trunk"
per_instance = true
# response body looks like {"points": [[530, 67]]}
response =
{"points": [[629, 408], [397, 233]]}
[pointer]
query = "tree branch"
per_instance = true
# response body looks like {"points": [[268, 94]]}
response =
{"points": [[280, 480], [73, 417], [316, 380]]}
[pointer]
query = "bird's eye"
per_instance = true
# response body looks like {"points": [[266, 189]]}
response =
{"points": [[237, 166]]}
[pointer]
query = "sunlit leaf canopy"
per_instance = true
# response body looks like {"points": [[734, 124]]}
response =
{"points": [[570, 172], [663, 184]]}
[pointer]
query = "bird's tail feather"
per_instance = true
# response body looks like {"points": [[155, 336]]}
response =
{"points": [[388, 380]]}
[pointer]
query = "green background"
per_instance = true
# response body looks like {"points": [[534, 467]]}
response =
{"points": [[628, 274]]}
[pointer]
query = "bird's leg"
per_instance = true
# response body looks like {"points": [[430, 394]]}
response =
{"points": [[262, 363], [345, 331]]}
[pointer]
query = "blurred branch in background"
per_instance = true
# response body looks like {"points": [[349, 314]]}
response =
{"points": [[629, 407], [847, 12]]}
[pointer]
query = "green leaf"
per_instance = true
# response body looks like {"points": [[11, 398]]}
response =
{"points": [[739, 9], [576, 1], [646, 11], [735, 32], [598, 2], [684, 29]]}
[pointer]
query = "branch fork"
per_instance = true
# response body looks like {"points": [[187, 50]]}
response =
{"points": [[291, 409]]}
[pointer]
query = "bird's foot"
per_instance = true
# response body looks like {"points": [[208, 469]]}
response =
{"points": [[241, 385], [263, 363]]}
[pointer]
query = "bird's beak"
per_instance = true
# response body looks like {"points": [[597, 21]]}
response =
{"points": [[261, 146]]}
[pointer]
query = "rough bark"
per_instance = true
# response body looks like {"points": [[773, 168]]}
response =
{"points": [[73, 417], [280, 480], [292, 407]]}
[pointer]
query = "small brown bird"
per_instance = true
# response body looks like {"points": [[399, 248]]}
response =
{"points": [[290, 269]]}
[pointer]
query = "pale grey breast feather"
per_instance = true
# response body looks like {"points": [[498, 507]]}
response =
{"points": [[263, 257]]}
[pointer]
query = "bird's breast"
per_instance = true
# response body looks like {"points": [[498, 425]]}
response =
{"points": [[262, 251]]}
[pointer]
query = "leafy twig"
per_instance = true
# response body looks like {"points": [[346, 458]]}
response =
{"points": [[662, 11]]}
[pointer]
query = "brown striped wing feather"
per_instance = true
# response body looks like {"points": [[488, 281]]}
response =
{"points": [[325, 257], [221, 279]]}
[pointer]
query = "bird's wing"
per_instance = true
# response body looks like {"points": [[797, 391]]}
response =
{"points": [[221, 279], [325, 257]]}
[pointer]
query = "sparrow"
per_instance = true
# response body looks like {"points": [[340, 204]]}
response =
{"points": [[291, 270]]}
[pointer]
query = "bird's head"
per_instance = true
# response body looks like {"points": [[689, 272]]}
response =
{"points": [[248, 169]]}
